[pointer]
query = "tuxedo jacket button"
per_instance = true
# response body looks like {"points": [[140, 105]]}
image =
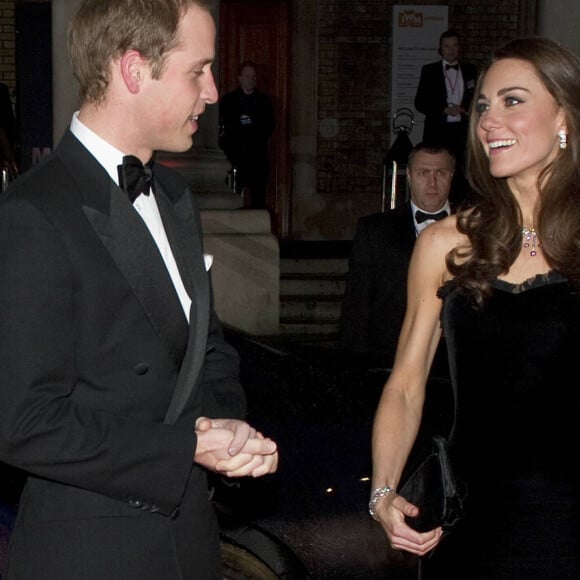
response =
{"points": [[141, 368]]}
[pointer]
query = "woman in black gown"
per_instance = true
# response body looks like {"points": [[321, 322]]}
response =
{"points": [[502, 280]]}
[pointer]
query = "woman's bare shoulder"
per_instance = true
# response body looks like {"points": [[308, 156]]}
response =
{"points": [[433, 245], [442, 236]]}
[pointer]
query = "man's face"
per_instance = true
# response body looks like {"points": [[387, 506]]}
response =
{"points": [[449, 49], [429, 179], [171, 105], [248, 79]]}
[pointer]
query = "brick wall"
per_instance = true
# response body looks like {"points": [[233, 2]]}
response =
{"points": [[7, 44], [354, 81]]}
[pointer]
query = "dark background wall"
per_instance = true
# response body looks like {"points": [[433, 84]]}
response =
{"points": [[26, 68], [7, 44]]}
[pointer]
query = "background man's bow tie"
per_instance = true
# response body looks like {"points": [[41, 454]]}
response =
{"points": [[134, 177], [448, 66], [421, 216]]}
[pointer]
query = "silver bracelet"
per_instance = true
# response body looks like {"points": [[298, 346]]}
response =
{"points": [[376, 495]]}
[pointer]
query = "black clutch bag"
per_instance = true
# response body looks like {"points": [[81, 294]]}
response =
{"points": [[432, 487]]}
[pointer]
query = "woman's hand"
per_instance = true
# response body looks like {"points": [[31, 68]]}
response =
{"points": [[391, 511]]}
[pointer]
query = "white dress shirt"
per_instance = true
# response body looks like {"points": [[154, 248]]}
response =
{"points": [[455, 87]]}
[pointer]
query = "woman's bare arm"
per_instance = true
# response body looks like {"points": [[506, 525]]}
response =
{"points": [[400, 408]]}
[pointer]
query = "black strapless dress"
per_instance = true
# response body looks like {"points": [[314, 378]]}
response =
{"points": [[516, 367]]}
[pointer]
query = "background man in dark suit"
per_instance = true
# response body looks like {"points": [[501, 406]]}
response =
{"points": [[118, 392], [444, 95], [246, 123], [376, 288]]}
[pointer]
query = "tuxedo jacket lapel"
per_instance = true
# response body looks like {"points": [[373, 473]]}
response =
{"points": [[184, 236], [135, 253], [127, 240]]}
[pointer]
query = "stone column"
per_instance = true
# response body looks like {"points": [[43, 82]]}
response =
{"points": [[64, 87], [303, 112]]}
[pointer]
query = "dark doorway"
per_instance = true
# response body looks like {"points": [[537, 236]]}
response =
{"points": [[33, 81], [258, 31]]}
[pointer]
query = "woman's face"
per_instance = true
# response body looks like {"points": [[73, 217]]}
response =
{"points": [[518, 121]]}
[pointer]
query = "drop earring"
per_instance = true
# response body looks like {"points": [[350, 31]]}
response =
{"points": [[563, 139]]}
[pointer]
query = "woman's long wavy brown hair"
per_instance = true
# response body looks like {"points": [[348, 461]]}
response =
{"points": [[494, 224]]}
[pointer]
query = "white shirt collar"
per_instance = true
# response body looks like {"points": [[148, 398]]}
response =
{"points": [[107, 155]]}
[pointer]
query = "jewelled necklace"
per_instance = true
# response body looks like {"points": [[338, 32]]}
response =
{"points": [[530, 240]]}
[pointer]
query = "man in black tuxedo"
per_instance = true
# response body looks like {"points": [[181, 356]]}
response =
{"points": [[374, 301], [119, 393], [444, 95]]}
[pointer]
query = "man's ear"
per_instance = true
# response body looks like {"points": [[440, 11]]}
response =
{"points": [[132, 67]]}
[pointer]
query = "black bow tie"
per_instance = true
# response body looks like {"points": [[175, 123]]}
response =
{"points": [[448, 66], [134, 177], [421, 216]]}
